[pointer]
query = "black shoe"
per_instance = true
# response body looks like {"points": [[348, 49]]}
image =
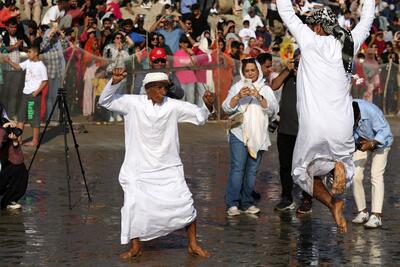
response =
{"points": [[285, 204], [305, 207]]}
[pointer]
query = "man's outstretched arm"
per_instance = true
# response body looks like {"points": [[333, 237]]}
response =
{"points": [[109, 99], [361, 31]]}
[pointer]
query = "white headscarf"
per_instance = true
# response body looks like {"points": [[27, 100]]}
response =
{"points": [[255, 123]]}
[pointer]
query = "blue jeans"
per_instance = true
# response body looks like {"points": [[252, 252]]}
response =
{"points": [[242, 174]]}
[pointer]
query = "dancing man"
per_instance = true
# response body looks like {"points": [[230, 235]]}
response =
{"points": [[324, 143], [157, 200]]}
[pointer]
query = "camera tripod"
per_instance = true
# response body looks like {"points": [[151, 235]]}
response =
{"points": [[65, 124]]}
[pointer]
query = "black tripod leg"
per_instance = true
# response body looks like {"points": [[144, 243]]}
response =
{"points": [[44, 131], [63, 125], [76, 147]]}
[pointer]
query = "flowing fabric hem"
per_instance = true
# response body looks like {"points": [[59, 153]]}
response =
{"points": [[126, 239], [320, 165]]}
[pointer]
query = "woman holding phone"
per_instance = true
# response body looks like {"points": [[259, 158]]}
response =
{"points": [[250, 103]]}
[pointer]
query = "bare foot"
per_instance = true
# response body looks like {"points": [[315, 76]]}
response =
{"points": [[339, 181], [337, 212], [197, 250], [134, 252], [31, 144]]}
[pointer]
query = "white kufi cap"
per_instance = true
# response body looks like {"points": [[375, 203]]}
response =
{"points": [[155, 77]]}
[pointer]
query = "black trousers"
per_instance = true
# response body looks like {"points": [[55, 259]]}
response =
{"points": [[286, 143], [13, 182]]}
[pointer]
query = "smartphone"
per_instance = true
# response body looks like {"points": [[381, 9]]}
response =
{"points": [[247, 83]]}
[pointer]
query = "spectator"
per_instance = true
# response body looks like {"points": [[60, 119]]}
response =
{"points": [[158, 60], [33, 10], [187, 78], [246, 33], [7, 12], [254, 20], [14, 175], [171, 33], [52, 47], [373, 137], [186, 7], [13, 44], [255, 101], [199, 21], [35, 81], [54, 17]]}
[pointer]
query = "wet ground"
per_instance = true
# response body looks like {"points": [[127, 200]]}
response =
{"points": [[47, 233]]}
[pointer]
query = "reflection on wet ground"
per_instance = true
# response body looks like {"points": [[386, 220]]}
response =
{"points": [[47, 233]]}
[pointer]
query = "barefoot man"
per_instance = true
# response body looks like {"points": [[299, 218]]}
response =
{"points": [[324, 143], [157, 200]]}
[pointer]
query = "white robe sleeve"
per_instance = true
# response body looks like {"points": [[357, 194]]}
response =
{"points": [[112, 101], [225, 105], [297, 28], [188, 112], [273, 106], [361, 31]]}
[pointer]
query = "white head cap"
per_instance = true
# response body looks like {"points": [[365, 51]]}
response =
{"points": [[155, 77]]}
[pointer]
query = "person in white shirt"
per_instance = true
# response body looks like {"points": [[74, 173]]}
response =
{"points": [[54, 14], [245, 33], [253, 19], [35, 81], [157, 199], [324, 143]]}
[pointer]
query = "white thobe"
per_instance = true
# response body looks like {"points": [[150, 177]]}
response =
{"points": [[157, 200], [323, 99]]}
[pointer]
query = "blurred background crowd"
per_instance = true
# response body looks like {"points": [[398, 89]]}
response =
{"points": [[199, 43]]}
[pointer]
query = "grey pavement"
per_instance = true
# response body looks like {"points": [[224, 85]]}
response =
{"points": [[47, 233]]}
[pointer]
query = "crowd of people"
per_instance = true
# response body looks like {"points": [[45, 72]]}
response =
{"points": [[271, 64], [204, 46]]}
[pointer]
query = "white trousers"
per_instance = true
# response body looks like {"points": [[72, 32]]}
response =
{"points": [[378, 165]]}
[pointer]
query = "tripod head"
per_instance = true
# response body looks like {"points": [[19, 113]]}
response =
{"points": [[62, 92]]}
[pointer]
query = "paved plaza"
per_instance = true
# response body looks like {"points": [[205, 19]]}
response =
{"points": [[47, 233]]}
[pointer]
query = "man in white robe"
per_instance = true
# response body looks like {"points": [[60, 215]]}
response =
{"points": [[324, 143], [157, 200]]}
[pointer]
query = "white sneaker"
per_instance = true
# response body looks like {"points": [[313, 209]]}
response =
{"points": [[119, 118], [233, 211], [373, 222], [252, 210], [111, 119], [14, 206], [361, 217]]}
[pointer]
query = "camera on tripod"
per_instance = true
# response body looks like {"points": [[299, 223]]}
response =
{"points": [[10, 130]]}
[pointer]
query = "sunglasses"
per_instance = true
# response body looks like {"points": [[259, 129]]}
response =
{"points": [[154, 39], [159, 60]]}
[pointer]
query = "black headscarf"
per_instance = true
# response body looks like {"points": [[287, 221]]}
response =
{"points": [[329, 23]]}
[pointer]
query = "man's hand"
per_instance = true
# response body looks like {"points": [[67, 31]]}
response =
{"points": [[209, 99], [367, 145], [13, 138], [11, 124], [290, 64], [118, 74]]}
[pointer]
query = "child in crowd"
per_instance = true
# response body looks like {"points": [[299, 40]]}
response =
{"points": [[35, 80], [99, 83]]}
